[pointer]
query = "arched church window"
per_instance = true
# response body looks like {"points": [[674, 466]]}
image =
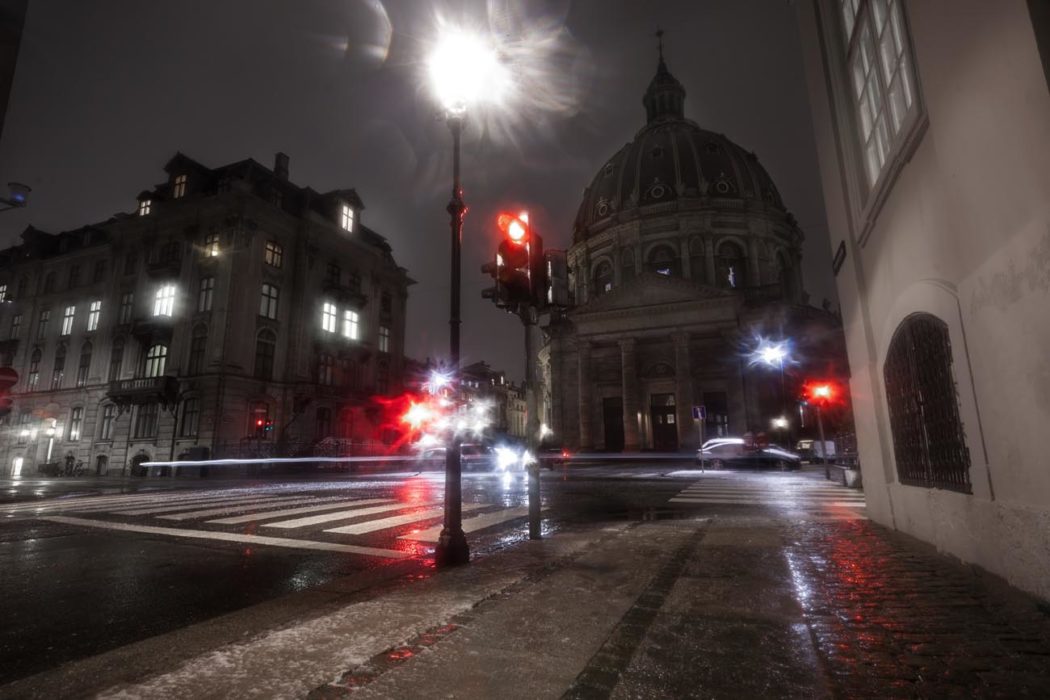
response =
{"points": [[928, 438], [730, 266], [663, 261], [603, 278]]}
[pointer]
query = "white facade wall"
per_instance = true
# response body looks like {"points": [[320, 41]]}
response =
{"points": [[963, 233]]}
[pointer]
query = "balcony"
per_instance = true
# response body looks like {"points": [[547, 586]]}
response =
{"points": [[153, 329], [345, 293], [164, 266], [141, 390]]}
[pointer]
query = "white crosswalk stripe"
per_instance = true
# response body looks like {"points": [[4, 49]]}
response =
{"points": [[395, 521], [478, 522], [798, 496], [228, 508], [269, 515], [341, 515]]}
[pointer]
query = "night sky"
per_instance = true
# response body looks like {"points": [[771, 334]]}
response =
{"points": [[106, 91]]}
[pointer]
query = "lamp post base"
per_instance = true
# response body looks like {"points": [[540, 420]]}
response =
{"points": [[452, 549]]}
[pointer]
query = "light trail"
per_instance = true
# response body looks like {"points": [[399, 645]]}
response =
{"points": [[275, 460]]}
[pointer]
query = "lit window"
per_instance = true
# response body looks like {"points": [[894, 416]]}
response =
{"points": [[94, 311], [211, 245], [85, 364], [328, 317], [156, 358], [274, 254], [180, 186], [144, 206], [127, 306], [76, 420], [205, 295], [882, 78], [16, 325], [347, 218], [351, 324], [3, 292], [268, 301], [164, 301], [67, 320], [59, 369], [108, 412], [34, 370], [384, 339]]}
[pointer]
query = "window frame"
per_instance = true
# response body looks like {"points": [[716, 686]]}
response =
{"points": [[347, 217], [164, 300], [384, 338], [351, 324], [269, 299], [94, 313], [153, 365], [76, 423], [69, 315], [273, 255], [205, 294], [178, 190], [329, 317], [107, 418]]}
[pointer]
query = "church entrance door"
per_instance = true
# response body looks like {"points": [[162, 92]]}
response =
{"points": [[612, 413], [665, 432]]}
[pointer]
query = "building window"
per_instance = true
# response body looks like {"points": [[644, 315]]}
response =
{"points": [[67, 319], [100, 270], [116, 359], [16, 325], [354, 281], [325, 369], [191, 417], [351, 324], [274, 255], [74, 276], [164, 301], [76, 421], [730, 266], [882, 78], [127, 307], [346, 219], [603, 278], [94, 311], [59, 369], [663, 261], [108, 412], [929, 442], [3, 292], [384, 339], [324, 423], [211, 245], [180, 187], [268, 301], [85, 364], [265, 346], [328, 317], [155, 361], [198, 345], [130, 262], [144, 206], [34, 370], [41, 326], [204, 297], [333, 273], [146, 419]]}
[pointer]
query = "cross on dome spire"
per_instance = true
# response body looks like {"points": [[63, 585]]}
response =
{"points": [[665, 98]]}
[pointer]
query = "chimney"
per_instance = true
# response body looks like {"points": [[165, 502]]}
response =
{"points": [[280, 166]]}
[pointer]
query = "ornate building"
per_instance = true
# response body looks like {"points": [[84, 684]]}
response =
{"points": [[232, 313], [683, 257]]}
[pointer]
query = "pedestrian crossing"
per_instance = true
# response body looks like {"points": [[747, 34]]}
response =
{"points": [[796, 496], [383, 527]]}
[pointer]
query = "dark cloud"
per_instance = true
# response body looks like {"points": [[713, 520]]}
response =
{"points": [[106, 91]]}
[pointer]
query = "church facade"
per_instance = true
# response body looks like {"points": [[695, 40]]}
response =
{"points": [[684, 260]]}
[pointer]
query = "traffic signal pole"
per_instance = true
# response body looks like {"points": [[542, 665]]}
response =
{"points": [[532, 411]]}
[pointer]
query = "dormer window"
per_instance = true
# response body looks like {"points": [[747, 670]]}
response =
{"points": [[180, 186], [144, 206], [346, 219]]}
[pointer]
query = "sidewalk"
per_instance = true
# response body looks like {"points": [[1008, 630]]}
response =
{"points": [[723, 608]]}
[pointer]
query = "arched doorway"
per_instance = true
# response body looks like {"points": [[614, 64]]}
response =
{"points": [[101, 465], [136, 464]]}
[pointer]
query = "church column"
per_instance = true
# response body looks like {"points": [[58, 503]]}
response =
{"points": [[584, 385], [687, 271], [629, 372], [683, 390], [583, 283], [709, 262], [753, 272]]}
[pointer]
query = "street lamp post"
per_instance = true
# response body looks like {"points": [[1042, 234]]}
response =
{"points": [[463, 70], [773, 355]]}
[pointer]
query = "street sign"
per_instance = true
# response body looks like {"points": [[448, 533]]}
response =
{"points": [[699, 412]]}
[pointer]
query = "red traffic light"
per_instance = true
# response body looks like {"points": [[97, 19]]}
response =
{"points": [[515, 228], [259, 423], [821, 392]]}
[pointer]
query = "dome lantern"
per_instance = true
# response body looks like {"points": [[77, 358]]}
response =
{"points": [[665, 97]]}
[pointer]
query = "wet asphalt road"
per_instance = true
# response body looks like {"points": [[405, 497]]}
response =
{"points": [[77, 585]]}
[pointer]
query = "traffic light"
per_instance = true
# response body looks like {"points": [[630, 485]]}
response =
{"points": [[518, 270]]}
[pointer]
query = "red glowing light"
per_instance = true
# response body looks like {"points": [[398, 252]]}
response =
{"points": [[516, 228], [821, 392]]}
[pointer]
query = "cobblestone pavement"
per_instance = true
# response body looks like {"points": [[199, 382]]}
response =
{"points": [[892, 618]]}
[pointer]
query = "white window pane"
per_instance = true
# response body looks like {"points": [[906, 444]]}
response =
{"points": [[866, 118], [879, 8], [858, 77], [888, 57], [872, 161], [905, 78], [847, 17], [897, 107], [866, 49], [897, 25]]}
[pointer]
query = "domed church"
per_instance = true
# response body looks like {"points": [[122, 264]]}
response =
{"points": [[683, 257]]}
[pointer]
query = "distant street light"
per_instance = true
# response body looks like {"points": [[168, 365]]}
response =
{"points": [[464, 70], [18, 196], [774, 355]]}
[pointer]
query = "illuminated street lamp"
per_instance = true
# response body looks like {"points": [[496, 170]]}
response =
{"points": [[464, 70], [774, 355]]}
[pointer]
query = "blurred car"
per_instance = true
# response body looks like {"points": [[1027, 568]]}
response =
{"points": [[732, 452], [479, 457], [809, 450]]}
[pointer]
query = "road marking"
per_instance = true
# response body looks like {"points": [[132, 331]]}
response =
{"points": [[232, 537], [243, 507], [386, 523], [242, 500], [95, 502], [765, 501], [341, 515], [478, 522], [254, 517], [172, 502]]}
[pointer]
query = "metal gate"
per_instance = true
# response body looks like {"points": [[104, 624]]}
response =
{"points": [[928, 438]]}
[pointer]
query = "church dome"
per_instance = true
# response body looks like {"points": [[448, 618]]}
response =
{"points": [[672, 164]]}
